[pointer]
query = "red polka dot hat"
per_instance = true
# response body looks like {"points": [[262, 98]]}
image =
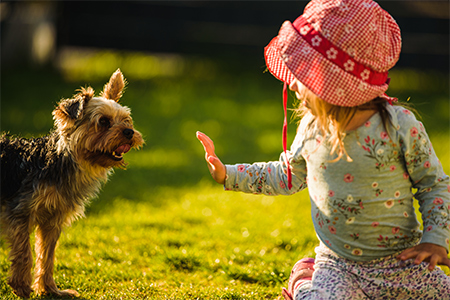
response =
{"points": [[340, 49]]}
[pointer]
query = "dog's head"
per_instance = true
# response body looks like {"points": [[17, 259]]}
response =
{"points": [[97, 130]]}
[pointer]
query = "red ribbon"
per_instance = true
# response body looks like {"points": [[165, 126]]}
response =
{"points": [[336, 55], [288, 171]]}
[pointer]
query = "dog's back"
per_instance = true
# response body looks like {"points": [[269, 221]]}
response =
{"points": [[26, 160], [14, 169], [21, 159]]}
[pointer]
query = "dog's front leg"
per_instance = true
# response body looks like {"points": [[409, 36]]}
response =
{"points": [[47, 236], [21, 257]]}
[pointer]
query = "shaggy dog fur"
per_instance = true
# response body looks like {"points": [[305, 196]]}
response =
{"points": [[46, 182]]}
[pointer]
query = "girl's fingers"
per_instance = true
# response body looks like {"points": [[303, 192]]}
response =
{"points": [[204, 138], [422, 256], [215, 166], [407, 254], [207, 143], [446, 262], [433, 262], [430, 253]]}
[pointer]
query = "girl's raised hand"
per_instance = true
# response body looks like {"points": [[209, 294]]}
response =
{"points": [[216, 167]]}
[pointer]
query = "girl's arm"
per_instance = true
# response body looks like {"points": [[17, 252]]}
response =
{"points": [[433, 192], [259, 178], [268, 178]]}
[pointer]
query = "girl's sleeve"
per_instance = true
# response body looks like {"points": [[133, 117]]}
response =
{"points": [[269, 178], [428, 177]]}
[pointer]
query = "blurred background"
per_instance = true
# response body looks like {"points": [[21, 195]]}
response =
{"points": [[191, 65], [163, 227]]}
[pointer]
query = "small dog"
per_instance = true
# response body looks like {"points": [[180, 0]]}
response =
{"points": [[46, 182]]}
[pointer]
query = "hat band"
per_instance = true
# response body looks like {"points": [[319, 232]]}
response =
{"points": [[335, 55]]}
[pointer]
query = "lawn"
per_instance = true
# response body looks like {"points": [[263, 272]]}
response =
{"points": [[162, 229]]}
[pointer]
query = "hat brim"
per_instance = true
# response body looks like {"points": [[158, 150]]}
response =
{"points": [[288, 56], [275, 64]]}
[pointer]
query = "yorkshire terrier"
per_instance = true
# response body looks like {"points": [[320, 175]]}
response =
{"points": [[46, 182]]}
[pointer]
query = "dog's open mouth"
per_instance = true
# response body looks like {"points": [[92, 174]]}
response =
{"points": [[118, 153]]}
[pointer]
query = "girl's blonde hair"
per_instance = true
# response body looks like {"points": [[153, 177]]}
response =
{"points": [[332, 120]]}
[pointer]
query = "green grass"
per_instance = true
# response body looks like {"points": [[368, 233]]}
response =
{"points": [[162, 229], [199, 242]]}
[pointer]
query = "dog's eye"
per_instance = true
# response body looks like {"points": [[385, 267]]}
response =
{"points": [[104, 122]]}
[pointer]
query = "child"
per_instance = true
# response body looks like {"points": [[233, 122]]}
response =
{"points": [[360, 157]]}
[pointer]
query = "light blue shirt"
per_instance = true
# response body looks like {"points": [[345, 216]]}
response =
{"points": [[363, 209]]}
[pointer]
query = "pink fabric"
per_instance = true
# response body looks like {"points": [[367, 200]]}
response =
{"points": [[301, 271], [335, 55], [340, 50], [384, 278]]}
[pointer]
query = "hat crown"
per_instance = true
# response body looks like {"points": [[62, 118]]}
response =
{"points": [[341, 50], [361, 28]]}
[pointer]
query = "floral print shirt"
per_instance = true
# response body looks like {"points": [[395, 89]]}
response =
{"points": [[363, 209]]}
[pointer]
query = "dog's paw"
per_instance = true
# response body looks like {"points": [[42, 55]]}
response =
{"points": [[23, 291], [20, 289], [66, 293], [51, 289]]}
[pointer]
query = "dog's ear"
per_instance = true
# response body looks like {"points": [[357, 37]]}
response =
{"points": [[70, 110], [114, 88]]}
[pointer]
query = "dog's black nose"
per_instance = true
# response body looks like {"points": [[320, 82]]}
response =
{"points": [[128, 133]]}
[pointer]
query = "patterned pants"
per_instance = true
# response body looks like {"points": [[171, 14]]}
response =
{"points": [[386, 278]]}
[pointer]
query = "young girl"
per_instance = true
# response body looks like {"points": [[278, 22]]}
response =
{"points": [[360, 157]]}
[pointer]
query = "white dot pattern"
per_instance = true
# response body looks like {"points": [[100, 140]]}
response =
{"points": [[348, 67]]}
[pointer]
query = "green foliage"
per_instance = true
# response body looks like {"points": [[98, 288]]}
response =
{"points": [[162, 229]]}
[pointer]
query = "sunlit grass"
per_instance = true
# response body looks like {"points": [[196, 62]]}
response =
{"points": [[201, 242], [162, 229]]}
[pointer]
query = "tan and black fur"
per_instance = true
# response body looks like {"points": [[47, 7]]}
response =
{"points": [[46, 182]]}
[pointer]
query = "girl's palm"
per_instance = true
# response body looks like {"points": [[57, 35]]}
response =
{"points": [[216, 167]]}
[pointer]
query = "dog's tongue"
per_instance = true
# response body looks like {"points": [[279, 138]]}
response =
{"points": [[123, 149]]}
